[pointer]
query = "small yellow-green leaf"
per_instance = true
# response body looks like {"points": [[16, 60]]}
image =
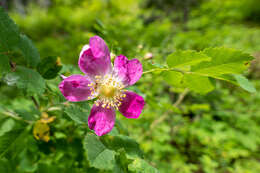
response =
{"points": [[245, 83]]}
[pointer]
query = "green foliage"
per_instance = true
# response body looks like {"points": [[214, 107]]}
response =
{"points": [[4, 65], [9, 33], [244, 83], [98, 155], [77, 113], [224, 61], [27, 79], [182, 59], [195, 118], [12, 40], [28, 50], [192, 68], [119, 154], [49, 67]]}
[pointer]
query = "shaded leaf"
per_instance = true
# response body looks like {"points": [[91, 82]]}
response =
{"points": [[4, 64], [97, 154], [29, 51], [130, 146], [77, 113], [10, 139], [9, 32], [49, 67], [25, 78]]}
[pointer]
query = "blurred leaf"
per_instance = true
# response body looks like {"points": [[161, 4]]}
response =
{"points": [[97, 154], [49, 67], [7, 126], [224, 61], [28, 79], [186, 58], [197, 83], [28, 162], [77, 113], [5, 165], [41, 131], [4, 64], [245, 83], [9, 139]]}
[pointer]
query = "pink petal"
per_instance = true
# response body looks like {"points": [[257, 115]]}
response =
{"points": [[101, 120], [95, 58], [132, 105], [128, 71], [75, 88]]}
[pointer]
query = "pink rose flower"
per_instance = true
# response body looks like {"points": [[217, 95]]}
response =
{"points": [[106, 83]]}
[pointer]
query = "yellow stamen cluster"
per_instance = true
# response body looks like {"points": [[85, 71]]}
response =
{"points": [[109, 91]]}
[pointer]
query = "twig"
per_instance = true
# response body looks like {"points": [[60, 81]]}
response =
{"points": [[35, 102], [164, 116]]}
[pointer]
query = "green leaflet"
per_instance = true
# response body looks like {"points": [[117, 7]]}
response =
{"points": [[117, 153], [77, 113], [12, 40], [245, 83], [27, 79], [173, 78], [130, 146], [98, 155], [197, 83], [29, 51], [191, 69], [139, 165], [4, 65], [49, 67], [9, 32], [224, 61], [10, 139], [181, 59]]}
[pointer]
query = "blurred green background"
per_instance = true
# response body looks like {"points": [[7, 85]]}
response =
{"points": [[214, 133]]}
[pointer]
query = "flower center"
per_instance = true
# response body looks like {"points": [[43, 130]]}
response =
{"points": [[107, 91], [110, 91]]}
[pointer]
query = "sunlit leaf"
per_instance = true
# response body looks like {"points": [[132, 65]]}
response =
{"points": [[197, 83], [180, 59], [245, 83], [223, 61]]}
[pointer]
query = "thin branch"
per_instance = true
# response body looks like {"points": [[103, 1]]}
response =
{"points": [[35, 102], [165, 115]]}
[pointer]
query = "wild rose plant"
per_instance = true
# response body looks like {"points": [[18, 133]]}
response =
{"points": [[106, 84]]}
